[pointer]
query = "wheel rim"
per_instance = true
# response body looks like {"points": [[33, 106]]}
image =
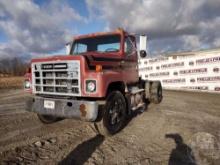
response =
{"points": [[115, 113]]}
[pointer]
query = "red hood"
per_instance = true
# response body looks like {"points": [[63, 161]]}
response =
{"points": [[56, 58], [92, 58]]}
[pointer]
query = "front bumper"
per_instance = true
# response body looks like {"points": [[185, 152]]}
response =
{"points": [[84, 110]]}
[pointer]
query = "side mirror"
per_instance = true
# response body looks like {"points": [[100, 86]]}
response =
{"points": [[143, 46], [143, 53], [68, 47]]}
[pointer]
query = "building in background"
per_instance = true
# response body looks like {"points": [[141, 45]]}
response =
{"points": [[199, 70]]}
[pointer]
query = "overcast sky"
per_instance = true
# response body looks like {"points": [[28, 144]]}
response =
{"points": [[31, 28]]}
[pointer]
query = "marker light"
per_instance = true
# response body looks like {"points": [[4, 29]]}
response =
{"points": [[98, 68]]}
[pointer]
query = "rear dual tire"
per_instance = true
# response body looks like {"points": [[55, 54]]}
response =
{"points": [[153, 91]]}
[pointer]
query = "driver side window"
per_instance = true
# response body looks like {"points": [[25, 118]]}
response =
{"points": [[128, 47]]}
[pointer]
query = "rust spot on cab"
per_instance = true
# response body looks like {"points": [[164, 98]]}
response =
{"points": [[82, 109]]}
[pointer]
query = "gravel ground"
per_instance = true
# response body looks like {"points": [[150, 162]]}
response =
{"points": [[183, 129]]}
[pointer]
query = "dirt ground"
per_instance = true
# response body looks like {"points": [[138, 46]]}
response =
{"points": [[183, 129]]}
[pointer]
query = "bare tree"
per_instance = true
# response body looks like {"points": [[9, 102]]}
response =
{"points": [[13, 67]]}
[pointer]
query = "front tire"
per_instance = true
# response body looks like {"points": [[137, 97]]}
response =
{"points": [[114, 117], [47, 119]]}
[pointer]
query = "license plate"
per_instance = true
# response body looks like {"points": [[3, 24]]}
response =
{"points": [[49, 104]]}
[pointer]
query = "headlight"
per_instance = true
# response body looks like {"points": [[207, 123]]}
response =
{"points": [[90, 85], [27, 84]]}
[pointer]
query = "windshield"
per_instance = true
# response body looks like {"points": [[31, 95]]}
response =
{"points": [[101, 44]]}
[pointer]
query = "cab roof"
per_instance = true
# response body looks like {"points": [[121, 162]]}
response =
{"points": [[118, 31]]}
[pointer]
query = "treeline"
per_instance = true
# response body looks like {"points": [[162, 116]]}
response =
{"points": [[13, 67]]}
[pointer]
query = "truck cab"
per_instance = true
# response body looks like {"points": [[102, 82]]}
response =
{"points": [[97, 81]]}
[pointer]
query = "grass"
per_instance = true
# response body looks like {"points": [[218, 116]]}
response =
{"points": [[11, 82]]}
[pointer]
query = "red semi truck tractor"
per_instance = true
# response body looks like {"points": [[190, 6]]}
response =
{"points": [[97, 81]]}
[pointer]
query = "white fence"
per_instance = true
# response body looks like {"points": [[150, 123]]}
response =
{"points": [[192, 71]]}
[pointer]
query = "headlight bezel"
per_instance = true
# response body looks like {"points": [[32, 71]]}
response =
{"points": [[27, 84], [91, 86]]}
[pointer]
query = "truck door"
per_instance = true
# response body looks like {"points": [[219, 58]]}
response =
{"points": [[130, 62]]}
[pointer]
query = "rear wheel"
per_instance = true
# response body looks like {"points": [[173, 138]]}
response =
{"points": [[47, 119], [147, 89], [156, 92], [114, 116]]}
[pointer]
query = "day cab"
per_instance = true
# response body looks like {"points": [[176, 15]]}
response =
{"points": [[97, 81]]}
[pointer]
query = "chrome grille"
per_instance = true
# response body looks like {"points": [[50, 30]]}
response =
{"points": [[56, 78]]}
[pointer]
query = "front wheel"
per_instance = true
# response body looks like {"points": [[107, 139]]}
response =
{"points": [[47, 119], [114, 116]]}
